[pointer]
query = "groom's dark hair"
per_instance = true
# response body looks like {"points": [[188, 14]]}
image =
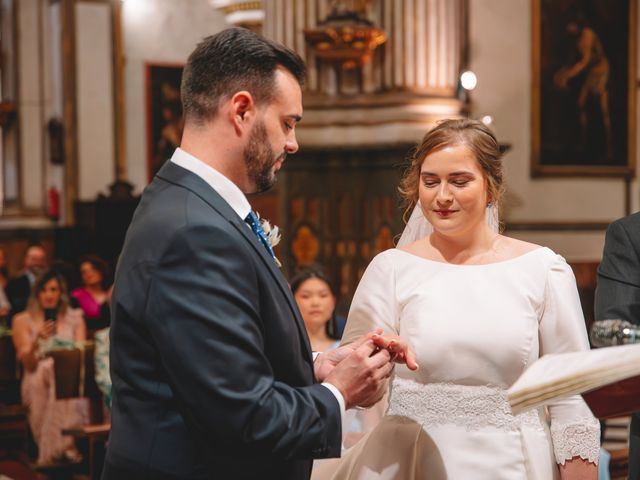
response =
{"points": [[230, 61]]}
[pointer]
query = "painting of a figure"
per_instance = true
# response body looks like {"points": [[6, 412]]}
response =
{"points": [[164, 114], [583, 87]]}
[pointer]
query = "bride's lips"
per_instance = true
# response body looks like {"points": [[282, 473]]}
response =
{"points": [[445, 213]]}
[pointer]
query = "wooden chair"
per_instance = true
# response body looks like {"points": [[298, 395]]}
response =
{"points": [[75, 377]]}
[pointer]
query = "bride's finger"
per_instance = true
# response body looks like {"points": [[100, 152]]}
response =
{"points": [[404, 353], [410, 359]]}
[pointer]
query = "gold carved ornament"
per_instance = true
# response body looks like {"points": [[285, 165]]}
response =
{"points": [[346, 37]]}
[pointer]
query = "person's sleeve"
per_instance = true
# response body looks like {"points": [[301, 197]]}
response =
{"points": [[618, 287], [374, 303], [339, 397], [204, 315], [574, 430]]}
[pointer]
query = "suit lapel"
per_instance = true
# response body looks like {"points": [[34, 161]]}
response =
{"points": [[175, 174]]}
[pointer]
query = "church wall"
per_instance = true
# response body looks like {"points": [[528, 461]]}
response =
{"points": [[165, 31], [500, 42], [156, 31]]}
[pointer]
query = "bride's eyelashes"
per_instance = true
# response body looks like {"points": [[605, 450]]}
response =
{"points": [[430, 183], [456, 183]]}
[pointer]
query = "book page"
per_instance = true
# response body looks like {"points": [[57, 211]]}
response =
{"points": [[558, 375]]}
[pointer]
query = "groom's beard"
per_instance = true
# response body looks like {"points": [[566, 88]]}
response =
{"points": [[260, 158]]}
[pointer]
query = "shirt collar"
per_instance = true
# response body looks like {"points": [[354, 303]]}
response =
{"points": [[228, 190]]}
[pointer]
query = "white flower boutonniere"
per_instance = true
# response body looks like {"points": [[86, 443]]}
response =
{"points": [[273, 235], [272, 232]]}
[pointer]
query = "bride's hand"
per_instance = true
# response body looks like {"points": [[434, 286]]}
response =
{"points": [[399, 349], [578, 469]]}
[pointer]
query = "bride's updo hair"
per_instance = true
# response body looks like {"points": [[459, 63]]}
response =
{"points": [[471, 133]]}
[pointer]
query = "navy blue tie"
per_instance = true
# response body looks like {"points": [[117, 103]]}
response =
{"points": [[254, 223]]}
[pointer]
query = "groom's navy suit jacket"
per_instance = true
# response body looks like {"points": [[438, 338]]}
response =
{"points": [[618, 297], [211, 366]]}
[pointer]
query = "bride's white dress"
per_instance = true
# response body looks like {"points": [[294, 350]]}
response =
{"points": [[475, 329]]}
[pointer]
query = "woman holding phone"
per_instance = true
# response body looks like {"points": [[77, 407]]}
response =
{"points": [[48, 321]]}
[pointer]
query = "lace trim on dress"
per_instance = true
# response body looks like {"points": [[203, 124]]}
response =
{"points": [[581, 438], [471, 407]]}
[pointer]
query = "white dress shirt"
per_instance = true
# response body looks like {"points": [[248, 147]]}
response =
{"points": [[231, 194]]}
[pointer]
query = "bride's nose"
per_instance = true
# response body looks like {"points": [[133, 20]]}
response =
{"points": [[444, 194]]}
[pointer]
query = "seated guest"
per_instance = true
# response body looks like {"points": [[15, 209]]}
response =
{"points": [[46, 323], [92, 297], [316, 301], [19, 287]]}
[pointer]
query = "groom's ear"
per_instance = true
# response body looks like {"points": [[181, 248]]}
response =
{"points": [[242, 112]]}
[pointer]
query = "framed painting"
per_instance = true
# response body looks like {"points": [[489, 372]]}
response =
{"points": [[584, 91], [164, 113]]}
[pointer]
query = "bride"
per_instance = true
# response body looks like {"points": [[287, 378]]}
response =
{"points": [[478, 308]]}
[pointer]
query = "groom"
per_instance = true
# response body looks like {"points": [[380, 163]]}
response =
{"points": [[212, 371]]}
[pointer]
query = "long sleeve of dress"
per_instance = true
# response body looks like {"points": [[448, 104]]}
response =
{"points": [[574, 430], [373, 306], [374, 303]]}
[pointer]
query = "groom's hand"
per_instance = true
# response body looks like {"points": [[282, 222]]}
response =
{"points": [[326, 361], [360, 377], [397, 347]]}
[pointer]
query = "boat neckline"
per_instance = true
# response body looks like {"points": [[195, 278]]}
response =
{"points": [[501, 262]]}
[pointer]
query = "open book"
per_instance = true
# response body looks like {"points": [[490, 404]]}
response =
{"points": [[559, 375]]}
